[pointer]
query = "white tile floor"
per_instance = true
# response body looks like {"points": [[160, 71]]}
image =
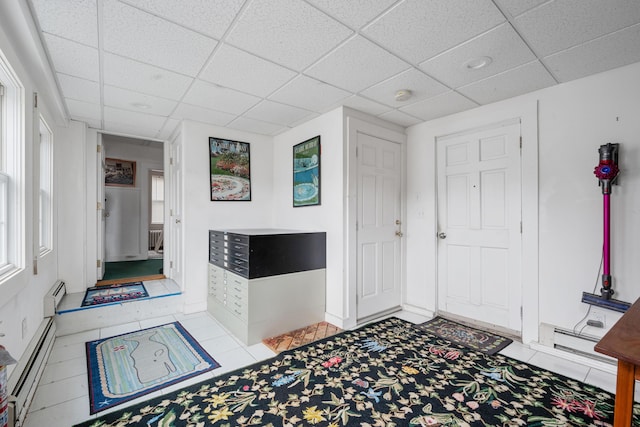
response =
{"points": [[62, 397]]}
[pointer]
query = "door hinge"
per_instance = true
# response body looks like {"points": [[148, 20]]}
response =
{"points": [[99, 148], [171, 160], [170, 212], [170, 264], [521, 313], [99, 206], [35, 99], [35, 266], [521, 143], [99, 263], [520, 227]]}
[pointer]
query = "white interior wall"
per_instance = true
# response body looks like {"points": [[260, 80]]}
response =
{"points": [[200, 214], [328, 216], [574, 119]]}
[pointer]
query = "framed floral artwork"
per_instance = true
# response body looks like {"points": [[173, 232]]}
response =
{"points": [[230, 170]]}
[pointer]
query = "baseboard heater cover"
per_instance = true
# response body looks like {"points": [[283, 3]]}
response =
{"points": [[53, 297], [21, 385], [580, 344]]}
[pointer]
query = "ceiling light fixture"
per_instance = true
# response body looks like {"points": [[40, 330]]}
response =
{"points": [[403, 95], [478, 63]]}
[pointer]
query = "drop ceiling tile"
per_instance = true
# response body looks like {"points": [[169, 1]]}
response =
{"points": [[416, 30], [517, 81], [209, 17], [356, 65], [219, 98], [354, 13], [199, 114], [137, 130], [439, 106], [73, 58], [516, 7], [168, 128], [151, 124], [75, 20], [135, 34], [400, 118], [234, 68], [135, 101], [365, 105], [561, 24], [79, 89], [129, 74], [256, 126], [81, 109], [605, 53], [420, 85], [310, 94], [502, 44], [288, 32], [274, 112]]}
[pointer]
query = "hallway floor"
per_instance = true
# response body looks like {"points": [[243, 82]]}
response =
{"points": [[62, 397]]}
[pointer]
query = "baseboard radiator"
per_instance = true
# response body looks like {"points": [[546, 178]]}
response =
{"points": [[572, 342], [155, 239], [21, 385], [53, 297]]}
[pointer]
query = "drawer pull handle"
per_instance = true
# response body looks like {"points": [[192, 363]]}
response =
{"points": [[238, 305], [237, 289], [238, 313]]}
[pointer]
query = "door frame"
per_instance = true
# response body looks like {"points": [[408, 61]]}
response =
{"points": [[527, 112], [355, 126]]}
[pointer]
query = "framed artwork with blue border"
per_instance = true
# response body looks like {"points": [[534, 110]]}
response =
{"points": [[230, 170], [306, 173]]}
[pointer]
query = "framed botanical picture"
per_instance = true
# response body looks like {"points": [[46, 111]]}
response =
{"points": [[306, 173], [119, 173], [230, 171]]}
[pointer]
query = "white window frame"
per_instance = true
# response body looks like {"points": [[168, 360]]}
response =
{"points": [[45, 212], [12, 144], [155, 174]]}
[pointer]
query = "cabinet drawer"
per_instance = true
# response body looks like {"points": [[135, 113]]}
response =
{"points": [[236, 238]]}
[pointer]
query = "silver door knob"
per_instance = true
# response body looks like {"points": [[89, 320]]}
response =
{"points": [[442, 235], [399, 233]]}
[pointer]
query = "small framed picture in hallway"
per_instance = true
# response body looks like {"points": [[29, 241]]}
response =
{"points": [[119, 173], [306, 173]]}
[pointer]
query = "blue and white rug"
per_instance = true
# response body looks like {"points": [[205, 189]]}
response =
{"points": [[114, 294], [127, 366]]}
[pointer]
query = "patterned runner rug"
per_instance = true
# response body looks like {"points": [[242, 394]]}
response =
{"points": [[467, 336], [114, 294], [127, 366], [301, 336], [382, 374]]}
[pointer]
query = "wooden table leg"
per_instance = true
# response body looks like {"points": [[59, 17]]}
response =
{"points": [[625, 386]]}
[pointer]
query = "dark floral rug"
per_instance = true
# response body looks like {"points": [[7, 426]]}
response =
{"points": [[387, 373], [467, 336]]}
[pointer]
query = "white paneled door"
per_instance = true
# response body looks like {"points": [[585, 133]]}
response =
{"points": [[175, 213], [379, 228], [479, 225]]}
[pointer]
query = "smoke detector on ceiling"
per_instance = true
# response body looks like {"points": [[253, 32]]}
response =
{"points": [[403, 95]]}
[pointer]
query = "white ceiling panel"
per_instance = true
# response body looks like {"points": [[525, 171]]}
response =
{"points": [[365, 105], [234, 68], [288, 32], [134, 129], [256, 126], [168, 128], [219, 98], [135, 34], [354, 13], [138, 102], [439, 106], [152, 124], [79, 89], [75, 20], [561, 24], [277, 113], [611, 51], [526, 78], [310, 94], [516, 7], [502, 44], [418, 29], [199, 114], [357, 65], [421, 86], [129, 74], [400, 118], [81, 109], [73, 58], [209, 17]]}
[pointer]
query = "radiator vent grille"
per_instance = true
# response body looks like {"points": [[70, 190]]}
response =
{"points": [[53, 297]]}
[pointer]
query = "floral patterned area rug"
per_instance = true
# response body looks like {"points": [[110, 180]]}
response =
{"points": [[388, 373], [301, 336], [467, 336]]}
